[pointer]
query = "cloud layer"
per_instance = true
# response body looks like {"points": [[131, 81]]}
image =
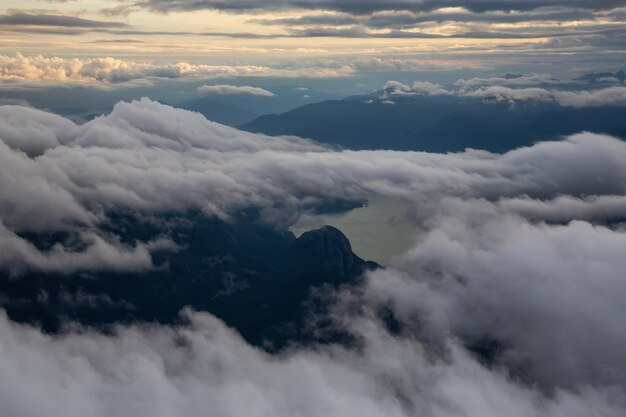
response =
{"points": [[358, 7], [153, 159], [523, 251], [30, 19], [548, 293], [21, 71], [206, 369]]}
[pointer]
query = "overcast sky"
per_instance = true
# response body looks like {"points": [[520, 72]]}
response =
{"points": [[323, 37]]}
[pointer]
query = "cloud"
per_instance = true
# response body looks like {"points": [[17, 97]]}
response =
{"points": [[32, 131], [522, 250], [226, 89], [400, 20], [14, 102], [418, 87], [566, 208], [395, 19], [31, 19], [19, 71], [372, 63], [101, 254], [152, 159], [206, 369], [515, 87], [612, 96], [363, 8], [506, 93], [547, 293], [509, 80]]}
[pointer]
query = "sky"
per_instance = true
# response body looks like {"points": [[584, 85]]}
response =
{"points": [[319, 39]]}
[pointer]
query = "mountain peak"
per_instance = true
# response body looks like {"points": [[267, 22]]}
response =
{"points": [[326, 251]]}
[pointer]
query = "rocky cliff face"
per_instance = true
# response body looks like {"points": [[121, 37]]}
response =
{"points": [[326, 252]]}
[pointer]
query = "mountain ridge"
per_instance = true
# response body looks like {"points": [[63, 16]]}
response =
{"points": [[438, 123]]}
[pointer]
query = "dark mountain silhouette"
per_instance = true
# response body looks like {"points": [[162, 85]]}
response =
{"points": [[326, 253], [438, 123], [254, 277]]}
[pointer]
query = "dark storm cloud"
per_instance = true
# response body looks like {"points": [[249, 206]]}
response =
{"points": [[361, 32], [358, 7], [404, 20], [401, 24], [120, 41], [420, 19], [29, 19]]}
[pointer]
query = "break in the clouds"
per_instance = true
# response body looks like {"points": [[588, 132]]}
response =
{"points": [[227, 89], [523, 249]]}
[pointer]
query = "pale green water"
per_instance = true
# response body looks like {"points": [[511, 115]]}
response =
{"points": [[377, 232]]}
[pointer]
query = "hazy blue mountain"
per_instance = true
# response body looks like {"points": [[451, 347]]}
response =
{"points": [[438, 123], [238, 109]]}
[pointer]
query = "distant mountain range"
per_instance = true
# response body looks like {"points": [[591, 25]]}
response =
{"points": [[438, 123], [238, 109]]}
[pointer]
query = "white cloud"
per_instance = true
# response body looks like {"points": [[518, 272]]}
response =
{"points": [[548, 293], [512, 80], [612, 96], [226, 89], [418, 87], [565, 208], [206, 369], [150, 158], [101, 254], [522, 88], [37, 71], [373, 63], [507, 93], [32, 131]]}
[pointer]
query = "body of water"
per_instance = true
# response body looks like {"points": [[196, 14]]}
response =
{"points": [[377, 232]]}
